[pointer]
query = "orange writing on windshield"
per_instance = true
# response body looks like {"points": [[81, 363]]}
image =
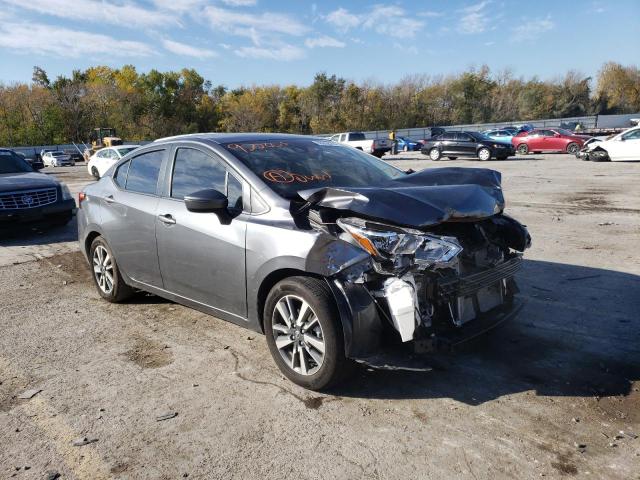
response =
{"points": [[283, 176]]}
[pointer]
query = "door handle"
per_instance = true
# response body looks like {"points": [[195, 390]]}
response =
{"points": [[167, 219], [109, 199]]}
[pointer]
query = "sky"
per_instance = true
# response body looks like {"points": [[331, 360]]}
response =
{"points": [[247, 42]]}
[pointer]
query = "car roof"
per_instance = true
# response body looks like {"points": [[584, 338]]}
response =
{"points": [[125, 146], [235, 137]]}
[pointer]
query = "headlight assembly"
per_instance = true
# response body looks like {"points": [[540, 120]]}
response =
{"points": [[384, 241]]}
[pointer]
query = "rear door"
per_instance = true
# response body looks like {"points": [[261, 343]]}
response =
{"points": [[129, 216], [202, 258]]}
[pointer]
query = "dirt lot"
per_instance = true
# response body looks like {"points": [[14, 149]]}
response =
{"points": [[553, 394]]}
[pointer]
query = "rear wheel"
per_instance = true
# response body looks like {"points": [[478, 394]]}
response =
{"points": [[523, 149], [303, 333], [484, 154], [573, 148], [106, 274], [435, 154]]}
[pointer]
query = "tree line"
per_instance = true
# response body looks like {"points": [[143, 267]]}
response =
{"points": [[155, 104]]}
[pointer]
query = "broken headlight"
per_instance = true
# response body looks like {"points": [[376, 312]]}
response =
{"points": [[386, 241]]}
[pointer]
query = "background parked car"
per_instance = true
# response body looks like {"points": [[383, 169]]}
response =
{"points": [[624, 146], [548, 140], [26, 195], [407, 145], [502, 135], [75, 155], [377, 147], [57, 159], [35, 163], [102, 160], [466, 144]]}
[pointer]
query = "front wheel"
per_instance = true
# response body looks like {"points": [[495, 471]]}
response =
{"points": [[435, 154], [573, 148], [484, 154], [95, 173], [106, 274], [303, 333], [523, 149]]}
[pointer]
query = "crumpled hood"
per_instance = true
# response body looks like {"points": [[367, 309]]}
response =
{"points": [[421, 199], [10, 182]]}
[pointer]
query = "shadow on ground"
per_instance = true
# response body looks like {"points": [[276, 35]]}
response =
{"points": [[40, 233], [578, 335]]}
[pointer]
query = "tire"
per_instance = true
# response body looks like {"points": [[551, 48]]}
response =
{"points": [[119, 291], [484, 154], [405, 148], [523, 149], [452, 158], [308, 366], [54, 164], [95, 173], [573, 148], [435, 154]]}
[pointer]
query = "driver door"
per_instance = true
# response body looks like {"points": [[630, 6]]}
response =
{"points": [[202, 258]]}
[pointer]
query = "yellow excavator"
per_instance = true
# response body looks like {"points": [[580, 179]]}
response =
{"points": [[101, 137]]}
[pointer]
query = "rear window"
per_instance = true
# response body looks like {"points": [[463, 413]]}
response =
{"points": [[58, 154], [300, 164], [356, 137]]}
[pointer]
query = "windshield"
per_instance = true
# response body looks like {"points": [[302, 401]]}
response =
{"points": [[300, 164], [124, 151], [12, 163]]}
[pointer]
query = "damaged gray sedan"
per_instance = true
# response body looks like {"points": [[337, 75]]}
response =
{"points": [[333, 254]]}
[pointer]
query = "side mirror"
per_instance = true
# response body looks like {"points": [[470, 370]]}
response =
{"points": [[208, 200]]}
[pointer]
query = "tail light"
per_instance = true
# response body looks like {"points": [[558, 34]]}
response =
{"points": [[81, 198]]}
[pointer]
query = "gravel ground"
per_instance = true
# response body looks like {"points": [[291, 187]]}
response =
{"points": [[553, 394]]}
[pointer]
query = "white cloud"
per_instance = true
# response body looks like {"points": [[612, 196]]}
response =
{"points": [[122, 14], [474, 18], [532, 29], [178, 5], [323, 41], [430, 14], [187, 50], [63, 42], [239, 3], [283, 53], [253, 25], [342, 19], [390, 20]]}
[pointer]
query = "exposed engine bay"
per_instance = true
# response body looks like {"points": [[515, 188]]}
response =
{"points": [[439, 256]]}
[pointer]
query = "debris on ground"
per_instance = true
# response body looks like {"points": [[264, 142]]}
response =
{"points": [[52, 475], [166, 416], [79, 442], [29, 393]]}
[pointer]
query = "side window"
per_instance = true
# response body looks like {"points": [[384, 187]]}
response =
{"points": [[234, 192], [113, 154], [143, 172], [635, 135], [447, 136], [120, 175], [463, 137], [194, 170], [342, 137]]}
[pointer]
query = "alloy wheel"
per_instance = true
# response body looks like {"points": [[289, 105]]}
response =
{"points": [[434, 154], [484, 154], [298, 335], [103, 269]]}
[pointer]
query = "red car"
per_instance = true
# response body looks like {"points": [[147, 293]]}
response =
{"points": [[548, 140]]}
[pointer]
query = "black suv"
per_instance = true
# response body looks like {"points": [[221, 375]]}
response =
{"points": [[466, 144], [26, 195]]}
